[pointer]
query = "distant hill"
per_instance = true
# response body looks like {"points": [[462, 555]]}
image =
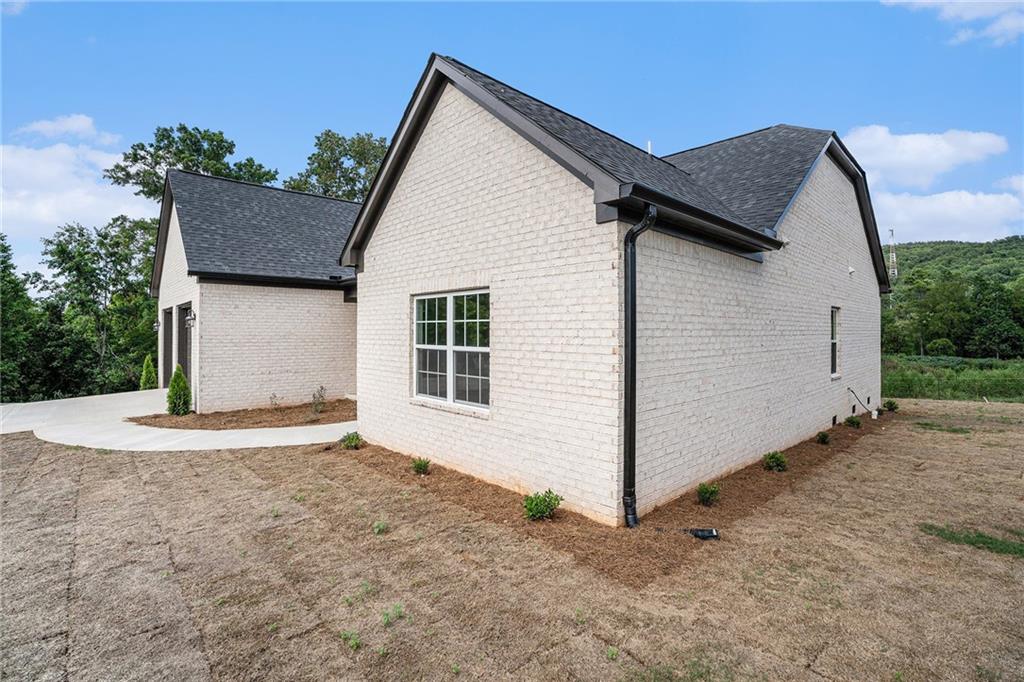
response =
{"points": [[1001, 260]]}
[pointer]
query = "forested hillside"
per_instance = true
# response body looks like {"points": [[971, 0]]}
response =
{"points": [[957, 298]]}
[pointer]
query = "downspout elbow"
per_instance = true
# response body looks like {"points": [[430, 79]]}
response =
{"points": [[629, 358]]}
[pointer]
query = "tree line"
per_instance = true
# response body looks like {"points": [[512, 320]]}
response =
{"points": [[86, 326], [957, 299]]}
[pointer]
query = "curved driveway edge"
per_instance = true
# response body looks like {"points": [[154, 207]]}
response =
{"points": [[99, 422]]}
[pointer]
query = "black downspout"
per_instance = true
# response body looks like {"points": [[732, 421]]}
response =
{"points": [[629, 356]]}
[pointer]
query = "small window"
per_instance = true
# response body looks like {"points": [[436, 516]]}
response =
{"points": [[835, 341], [452, 347]]}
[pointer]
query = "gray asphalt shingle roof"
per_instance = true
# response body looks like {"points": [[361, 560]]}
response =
{"points": [[756, 174], [618, 158], [237, 229]]}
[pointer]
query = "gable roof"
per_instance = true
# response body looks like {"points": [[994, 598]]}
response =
{"points": [[624, 161], [756, 174], [240, 231], [729, 195]]}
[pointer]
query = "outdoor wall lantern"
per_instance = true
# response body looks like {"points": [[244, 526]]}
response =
{"points": [[156, 326], [190, 319]]}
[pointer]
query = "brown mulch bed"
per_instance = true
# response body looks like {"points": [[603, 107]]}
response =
{"points": [[334, 411], [661, 543]]}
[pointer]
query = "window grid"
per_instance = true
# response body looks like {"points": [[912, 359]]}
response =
{"points": [[456, 327], [834, 342]]}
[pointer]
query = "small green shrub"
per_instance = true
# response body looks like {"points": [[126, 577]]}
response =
{"points": [[392, 616], [319, 398], [380, 527], [351, 638], [179, 395], [352, 441], [707, 493], [941, 347], [891, 405], [148, 379], [823, 438], [774, 461], [611, 653], [421, 466], [853, 422], [541, 505]]}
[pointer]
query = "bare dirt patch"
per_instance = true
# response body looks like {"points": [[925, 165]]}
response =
{"points": [[250, 564], [662, 537], [333, 412]]}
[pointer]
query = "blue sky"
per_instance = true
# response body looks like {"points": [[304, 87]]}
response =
{"points": [[928, 96]]}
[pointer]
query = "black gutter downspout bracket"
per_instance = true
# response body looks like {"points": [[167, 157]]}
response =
{"points": [[629, 356]]}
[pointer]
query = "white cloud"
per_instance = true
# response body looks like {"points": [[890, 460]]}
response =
{"points": [[1001, 23], [46, 187], [14, 7], [76, 126], [916, 159], [958, 215], [1014, 183]]}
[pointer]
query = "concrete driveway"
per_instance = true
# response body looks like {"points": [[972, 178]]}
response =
{"points": [[16, 417], [99, 422]]}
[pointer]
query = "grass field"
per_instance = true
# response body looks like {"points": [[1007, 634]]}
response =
{"points": [[892, 553], [951, 378]]}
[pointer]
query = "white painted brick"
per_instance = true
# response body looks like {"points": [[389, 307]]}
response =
{"points": [[733, 356], [258, 340], [479, 206]]}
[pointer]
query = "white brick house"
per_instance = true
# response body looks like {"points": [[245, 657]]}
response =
{"points": [[251, 299], [541, 304], [496, 255]]}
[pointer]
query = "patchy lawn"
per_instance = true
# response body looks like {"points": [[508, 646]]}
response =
{"points": [[333, 412], [265, 563]]}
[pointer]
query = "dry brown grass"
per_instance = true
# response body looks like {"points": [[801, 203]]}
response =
{"points": [[249, 564], [333, 412]]}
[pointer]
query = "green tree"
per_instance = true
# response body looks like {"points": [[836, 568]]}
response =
{"points": [[193, 149], [19, 320], [995, 331], [179, 395], [98, 291], [941, 347], [341, 167], [148, 379]]}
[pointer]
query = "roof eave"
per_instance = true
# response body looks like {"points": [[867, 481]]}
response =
{"points": [[273, 280], [160, 247], [706, 224]]}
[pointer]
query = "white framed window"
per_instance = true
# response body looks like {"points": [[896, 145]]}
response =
{"points": [[835, 340], [451, 347]]}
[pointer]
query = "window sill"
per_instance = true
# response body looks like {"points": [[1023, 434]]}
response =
{"points": [[454, 408], [836, 377]]}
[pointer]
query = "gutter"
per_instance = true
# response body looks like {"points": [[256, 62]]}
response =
{"points": [[629, 356]]}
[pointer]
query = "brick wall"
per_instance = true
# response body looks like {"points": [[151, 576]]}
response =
{"points": [[176, 288], [257, 340], [733, 356], [478, 206]]}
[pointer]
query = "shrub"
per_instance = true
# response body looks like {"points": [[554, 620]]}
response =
{"points": [[823, 438], [351, 638], [541, 505], [421, 466], [319, 397], [942, 347], [380, 527], [352, 441], [774, 461], [707, 493], [179, 395], [148, 379], [891, 405], [853, 422]]}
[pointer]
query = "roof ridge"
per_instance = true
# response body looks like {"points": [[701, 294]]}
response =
{"points": [[256, 184], [725, 139], [752, 132], [566, 113]]}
